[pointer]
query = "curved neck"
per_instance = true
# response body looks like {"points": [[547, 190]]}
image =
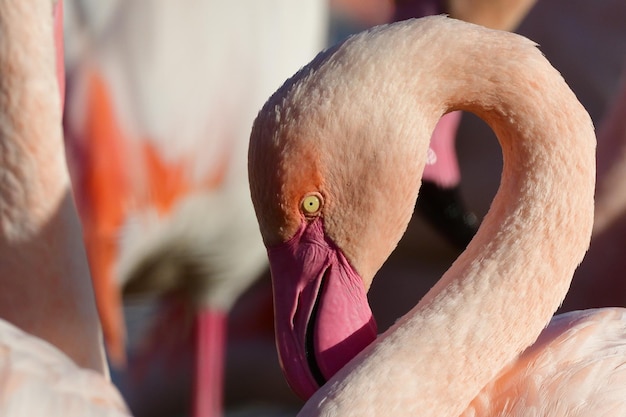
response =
{"points": [[45, 279], [501, 292]]}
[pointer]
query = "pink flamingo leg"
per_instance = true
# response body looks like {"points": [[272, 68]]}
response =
{"points": [[210, 343]]}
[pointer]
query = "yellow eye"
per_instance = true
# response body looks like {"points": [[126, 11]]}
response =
{"points": [[311, 204]]}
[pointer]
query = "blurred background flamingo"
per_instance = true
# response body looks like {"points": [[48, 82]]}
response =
{"points": [[51, 354], [160, 100], [39, 225]]}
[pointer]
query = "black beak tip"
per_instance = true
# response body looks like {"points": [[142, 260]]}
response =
{"points": [[444, 209]]}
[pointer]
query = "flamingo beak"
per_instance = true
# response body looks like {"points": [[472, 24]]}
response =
{"points": [[443, 208], [439, 200], [322, 317]]}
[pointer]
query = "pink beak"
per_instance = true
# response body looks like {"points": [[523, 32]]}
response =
{"points": [[322, 316]]}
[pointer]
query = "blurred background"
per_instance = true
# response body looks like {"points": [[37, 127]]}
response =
{"points": [[160, 98]]}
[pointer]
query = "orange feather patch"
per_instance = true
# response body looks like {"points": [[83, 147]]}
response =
{"points": [[104, 193]]}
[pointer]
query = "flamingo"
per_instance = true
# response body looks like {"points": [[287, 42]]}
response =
{"points": [[161, 98], [333, 199], [51, 354]]}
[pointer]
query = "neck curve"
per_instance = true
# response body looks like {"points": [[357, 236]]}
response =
{"points": [[45, 279], [469, 325]]}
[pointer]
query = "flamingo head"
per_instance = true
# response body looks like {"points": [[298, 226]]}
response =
{"points": [[319, 297], [321, 206]]}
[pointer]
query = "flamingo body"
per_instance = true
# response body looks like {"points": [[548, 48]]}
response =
{"points": [[38, 246], [58, 367], [560, 373], [38, 379]]}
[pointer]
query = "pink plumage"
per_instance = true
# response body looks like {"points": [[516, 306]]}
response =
{"points": [[481, 341], [51, 353]]}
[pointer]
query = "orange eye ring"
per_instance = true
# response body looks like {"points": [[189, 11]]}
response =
{"points": [[312, 204]]}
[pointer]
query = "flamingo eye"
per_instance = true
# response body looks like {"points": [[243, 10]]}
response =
{"points": [[312, 204]]}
